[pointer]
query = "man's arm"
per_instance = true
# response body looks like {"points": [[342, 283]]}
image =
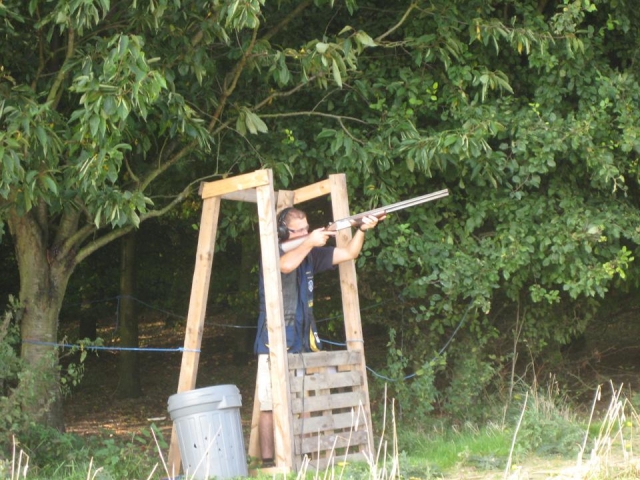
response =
{"points": [[353, 248], [293, 258]]}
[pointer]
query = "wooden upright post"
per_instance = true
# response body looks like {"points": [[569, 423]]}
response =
{"points": [[283, 432], [349, 288], [197, 310]]}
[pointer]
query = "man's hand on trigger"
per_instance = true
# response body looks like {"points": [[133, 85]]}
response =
{"points": [[319, 237]]}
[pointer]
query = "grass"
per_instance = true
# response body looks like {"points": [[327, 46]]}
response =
{"points": [[514, 448], [445, 450]]}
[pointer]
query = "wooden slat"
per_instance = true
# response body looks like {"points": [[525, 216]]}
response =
{"points": [[324, 359], [312, 191], [328, 443], [348, 279], [327, 402], [305, 425], [325, 380], [255, 179]]}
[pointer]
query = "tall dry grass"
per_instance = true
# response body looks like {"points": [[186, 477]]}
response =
{"points": [[606, 452]]}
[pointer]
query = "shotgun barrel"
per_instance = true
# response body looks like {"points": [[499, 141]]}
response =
{"points": [[356, 220]]}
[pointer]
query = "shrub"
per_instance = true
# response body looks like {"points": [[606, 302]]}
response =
{"points": [[15, 382], [548, 427], [18, 389]]}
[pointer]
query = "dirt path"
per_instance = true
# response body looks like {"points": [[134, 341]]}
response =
{"points": [[95, 406]]}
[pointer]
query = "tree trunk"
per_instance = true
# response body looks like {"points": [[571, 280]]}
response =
{"points": [[43, 281], [246, 316], [128, 367], [88, 327]]}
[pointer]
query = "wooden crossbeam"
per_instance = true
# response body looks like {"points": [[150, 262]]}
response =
{"points": [[312, 191], [218, 188]]}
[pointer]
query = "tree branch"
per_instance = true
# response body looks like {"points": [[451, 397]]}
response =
{"points": [[286, 20], [312, 113], [100, 242], [131, 174], [117, 233], [235, 73], [41, 216], [214, 125], [41, 60], [68, 224], [67, 245], [54, 96], [275, 95], [349, 134], [397, 25]]}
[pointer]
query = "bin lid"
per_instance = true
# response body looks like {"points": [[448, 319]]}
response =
{"points": [[226, 395]]}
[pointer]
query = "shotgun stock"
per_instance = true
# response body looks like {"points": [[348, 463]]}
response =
{"points": [[356, 220]]}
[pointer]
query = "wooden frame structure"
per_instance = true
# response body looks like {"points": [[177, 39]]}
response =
{"points": [[323, 414]]}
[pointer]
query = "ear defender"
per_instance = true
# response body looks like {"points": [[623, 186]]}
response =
{"points": [[283, 231]]}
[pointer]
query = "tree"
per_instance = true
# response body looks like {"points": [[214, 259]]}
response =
{"points": [[99, 100], [526, 111], [128, 367]]}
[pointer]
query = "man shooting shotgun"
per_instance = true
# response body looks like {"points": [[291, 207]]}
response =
{"points": [[303, 254], [358, 220]]}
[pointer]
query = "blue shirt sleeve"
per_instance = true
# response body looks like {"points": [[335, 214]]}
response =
{"points": [[322, 259]]}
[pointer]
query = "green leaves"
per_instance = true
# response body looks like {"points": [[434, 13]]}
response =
{"points": [[28, 126], [531, 120], [247, 120], [78, 15], [338, 58], [239, 14], [492, 80]]}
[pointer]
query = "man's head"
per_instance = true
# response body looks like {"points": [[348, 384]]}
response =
{"points": [[292, 223]]}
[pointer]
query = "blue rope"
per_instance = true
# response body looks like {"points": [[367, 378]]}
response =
{"points": [[333, 343], [182, 349], [226, 325], [410, 376], [94, 347]]}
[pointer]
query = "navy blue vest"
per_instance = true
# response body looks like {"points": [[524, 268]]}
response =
{"points": [[302, 335]]}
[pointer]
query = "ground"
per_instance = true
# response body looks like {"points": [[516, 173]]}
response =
{"points": [[94, 406]]}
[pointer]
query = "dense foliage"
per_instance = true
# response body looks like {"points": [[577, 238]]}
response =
{"points": [[526, 111]]}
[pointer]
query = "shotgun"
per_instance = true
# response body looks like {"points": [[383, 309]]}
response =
{"points": [[356, 220]]}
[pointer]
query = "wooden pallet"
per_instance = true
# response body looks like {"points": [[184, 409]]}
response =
{"points": [[329, 408]]}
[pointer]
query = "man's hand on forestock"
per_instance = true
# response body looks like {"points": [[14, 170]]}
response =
{"points": [[370, 221]]}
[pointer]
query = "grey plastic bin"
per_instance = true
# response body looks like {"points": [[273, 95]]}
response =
{"points": [[209, 431]]}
